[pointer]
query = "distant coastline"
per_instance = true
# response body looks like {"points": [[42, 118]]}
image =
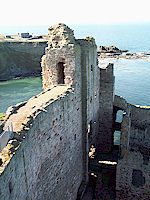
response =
{"points": [[123, 36], [134, 37], [20, 59]]}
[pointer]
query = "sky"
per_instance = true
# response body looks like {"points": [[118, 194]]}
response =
{"points": [[49, 12]]}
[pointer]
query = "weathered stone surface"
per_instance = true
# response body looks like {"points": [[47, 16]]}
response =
{"points": [[52, 128], [58, 63], [120, 102], [133, 169], [59, 36], [53, 131], [138, 180], [105, 136], [56, 159]]}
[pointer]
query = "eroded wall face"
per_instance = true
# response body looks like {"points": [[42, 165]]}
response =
{"points": [[58, 63], [51, 67], [105, 136], [48, 164], [90, 88], [133, 169], [54, 155], [132, 178]]}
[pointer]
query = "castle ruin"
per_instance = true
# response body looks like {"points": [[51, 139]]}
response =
{"points": [[63, 138]]}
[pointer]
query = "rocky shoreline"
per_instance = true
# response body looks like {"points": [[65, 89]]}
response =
{"points": [[113, 52], [28, 75]]}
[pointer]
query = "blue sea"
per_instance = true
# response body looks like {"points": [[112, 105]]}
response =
{"points": [[132, 77]]}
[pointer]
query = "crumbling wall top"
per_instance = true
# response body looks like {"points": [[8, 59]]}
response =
{"points": [[120, 102], [60, 35], [87, 41], [22, 118]]}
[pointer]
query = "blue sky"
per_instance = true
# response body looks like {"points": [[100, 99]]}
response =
{"points": [[48, 12]]}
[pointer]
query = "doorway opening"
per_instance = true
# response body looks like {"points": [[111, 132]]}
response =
{"points": [[60, 73]]}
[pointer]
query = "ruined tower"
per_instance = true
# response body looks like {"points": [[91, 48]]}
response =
{"points": [[58, 63], [73, 62]]}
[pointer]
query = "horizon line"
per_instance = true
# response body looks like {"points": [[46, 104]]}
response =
{"points": [[81, 24]]}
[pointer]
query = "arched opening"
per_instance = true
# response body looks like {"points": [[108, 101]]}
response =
{"points": [[119, 116], [60, 73], [117, 131]]}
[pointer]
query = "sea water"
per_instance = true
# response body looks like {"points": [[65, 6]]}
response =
{"points": [[133, 37], [132, 77], [15, 91], [132, 80]]}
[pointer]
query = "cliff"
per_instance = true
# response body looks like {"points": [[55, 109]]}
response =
{"points": [[20, 59]]}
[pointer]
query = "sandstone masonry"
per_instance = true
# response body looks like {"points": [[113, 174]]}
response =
{"points": [[53, 135]]}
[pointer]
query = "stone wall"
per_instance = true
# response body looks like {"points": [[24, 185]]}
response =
{"points": [[52, 159], [105, 136], [48, 163], [133, 169], [90, 89], [47, 158], [90, 77], [20, 59], [59, 62], [78, 58], [120, 102]]}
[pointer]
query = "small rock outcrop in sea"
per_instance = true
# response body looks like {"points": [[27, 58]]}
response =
{"points": [[110, 50], [114, 52]]}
